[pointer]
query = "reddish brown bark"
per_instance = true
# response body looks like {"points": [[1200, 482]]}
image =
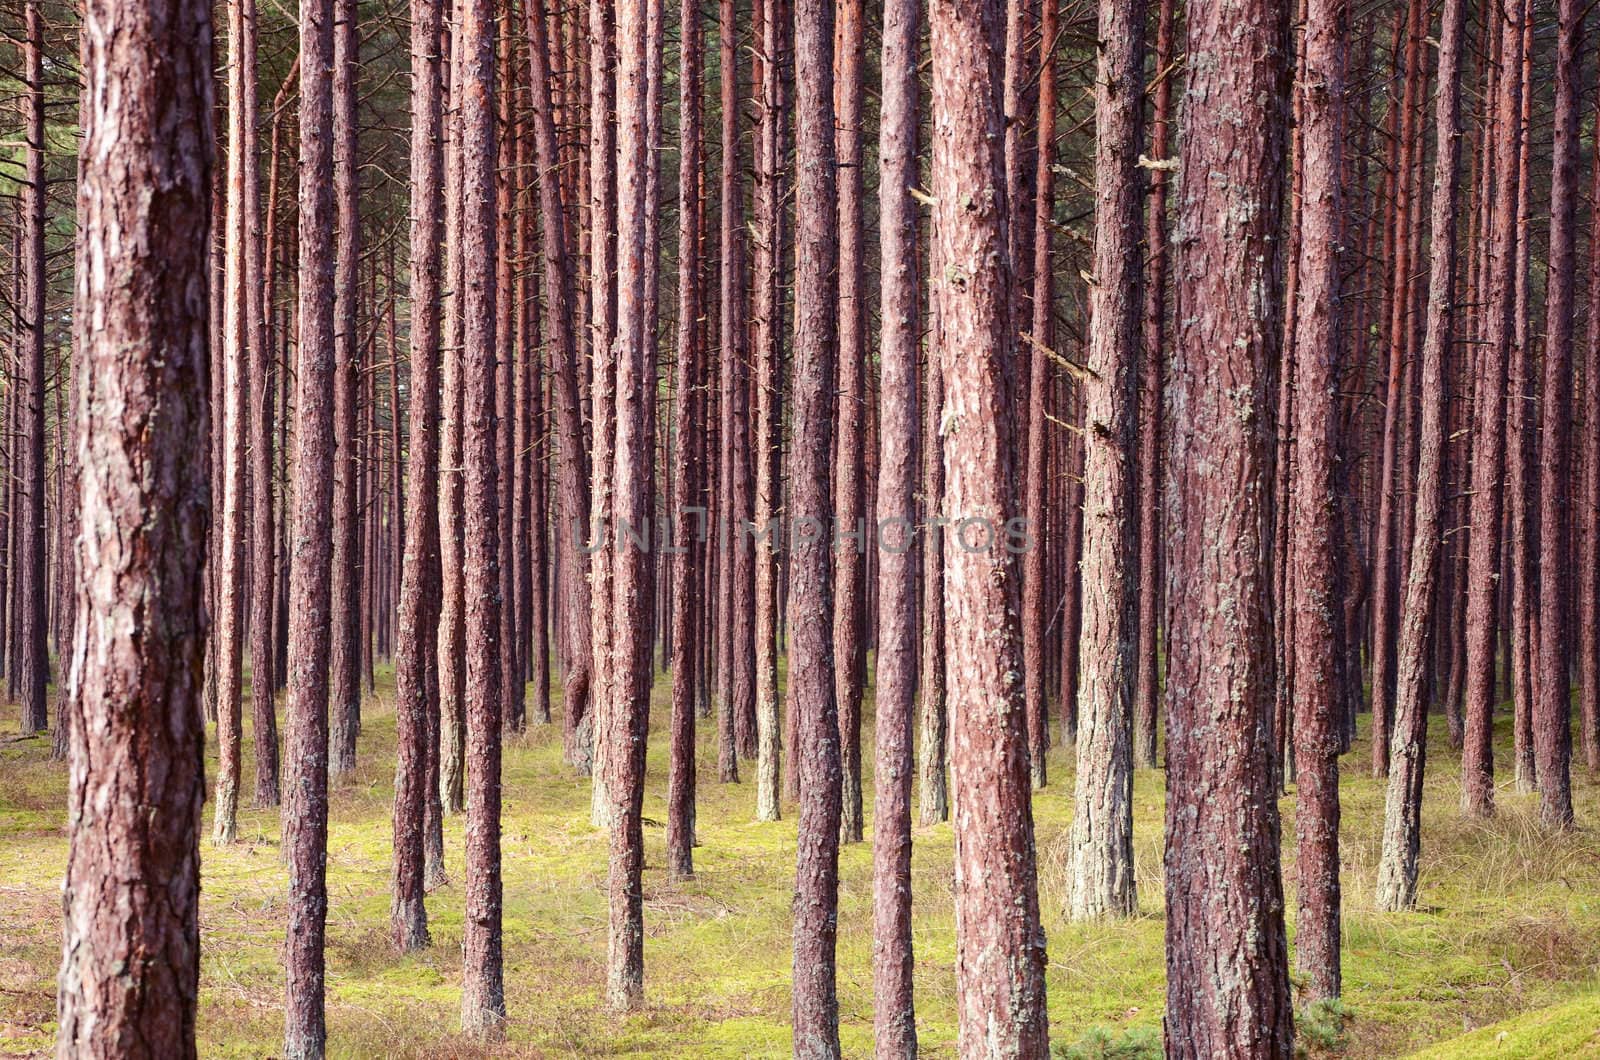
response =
{"points": [[775, 28], [419, 571], [1315, 499], [263, 521], [131, 953], [933, 792], [1227, 959], [1100, 859], [1588, 565], [811, 669], [32, 660], [849, 642], [894, 1018], [685, 495], [572, 487], [1489, 435], [730, 358], [1035, 618], [483, 1000], [305, 811], [1147, 691], [1552, 708], [1397, 870], [345, 678], [227, 643], [624, 718], [1000, 948]]}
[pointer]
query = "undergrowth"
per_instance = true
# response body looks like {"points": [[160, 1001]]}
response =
{"points": [[1509, 921]]}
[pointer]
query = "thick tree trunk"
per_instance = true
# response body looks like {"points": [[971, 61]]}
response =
{"points": [[305, 810], [130, 964], [345, 679], [419, 571], [483, 996], [849, 601], [811, 670], [685, 447], [1552, 708], [894, 1018], [1315, 499], [1000, 994], [1227, 959], [1100, 859]]}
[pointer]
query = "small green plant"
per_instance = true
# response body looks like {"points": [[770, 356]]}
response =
{"points": [[1319, 1028], [1101, 1043]]}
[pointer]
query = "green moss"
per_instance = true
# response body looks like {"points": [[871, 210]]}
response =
{"points": [[1510, 922], [1566, 1030]]}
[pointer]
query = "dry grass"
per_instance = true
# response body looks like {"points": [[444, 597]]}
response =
{"points": [[1510, 922]]}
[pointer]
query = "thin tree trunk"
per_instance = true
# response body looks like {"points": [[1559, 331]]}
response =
{"points": [[33, 664], [228, 554], [1588, 564], [572, 488], [1227, 958], [849, 602], [345, 679], [130, 967], [1034, 617], [1552, 709], [685, 566], [775, 26], [933, 792], [811, 671], [483, 997], [894, 1018], [1489, 436], [1100, 859], [451, 647], [1402, 829], [263, 557], [305, 811], [419, 571], [1315, 499], [630, 661], [1147, 690]]}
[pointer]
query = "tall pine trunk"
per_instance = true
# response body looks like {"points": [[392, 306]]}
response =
{"points": [[1227, 958], [1100, 861], [305, 810], [1000, 995], [811, 670], [894, 1019], [419, 570], [130, 969]]}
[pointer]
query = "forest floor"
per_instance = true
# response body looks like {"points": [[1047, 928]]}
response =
{"points": [[1508, 929]]}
